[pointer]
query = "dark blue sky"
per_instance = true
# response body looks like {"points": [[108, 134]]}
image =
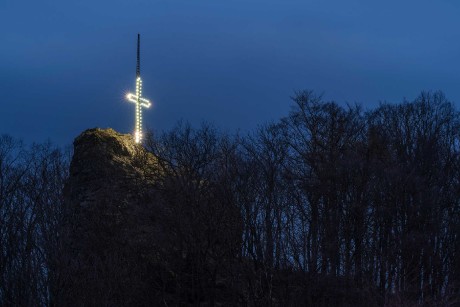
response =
{"points": [[66, 66]]}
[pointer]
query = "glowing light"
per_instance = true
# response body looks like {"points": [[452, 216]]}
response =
{"points": [[140, 101]]}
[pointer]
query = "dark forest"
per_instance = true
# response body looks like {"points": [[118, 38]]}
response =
{"points": [[331, 205]]}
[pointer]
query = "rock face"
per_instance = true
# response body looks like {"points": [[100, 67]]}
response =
{"points": [[109, 214], [131, 234]]}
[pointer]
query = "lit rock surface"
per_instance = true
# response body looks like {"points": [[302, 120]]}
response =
{"points": [[109, 236]]}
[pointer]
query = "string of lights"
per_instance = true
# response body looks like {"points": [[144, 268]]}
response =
{"points": [[137, 98]]}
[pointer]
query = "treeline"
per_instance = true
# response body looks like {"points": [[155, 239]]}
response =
{"points": [[31, 199], [330, 199]]}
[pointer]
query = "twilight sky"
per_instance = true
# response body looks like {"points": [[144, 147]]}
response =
{"points": [[66, 66]]}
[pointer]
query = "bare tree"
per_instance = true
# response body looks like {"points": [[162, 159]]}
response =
{"points": [[31, 181]]}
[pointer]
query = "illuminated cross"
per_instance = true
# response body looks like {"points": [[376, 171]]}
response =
{"points": [[137, 98]]}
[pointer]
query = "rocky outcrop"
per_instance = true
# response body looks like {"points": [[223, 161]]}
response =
{"points": [[109, 212]]}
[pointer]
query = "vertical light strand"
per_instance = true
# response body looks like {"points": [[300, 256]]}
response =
{"points": [[138, 99]]}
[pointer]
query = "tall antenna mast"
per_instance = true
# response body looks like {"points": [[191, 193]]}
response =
{"points": [[138, 67], [137, 98]]}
